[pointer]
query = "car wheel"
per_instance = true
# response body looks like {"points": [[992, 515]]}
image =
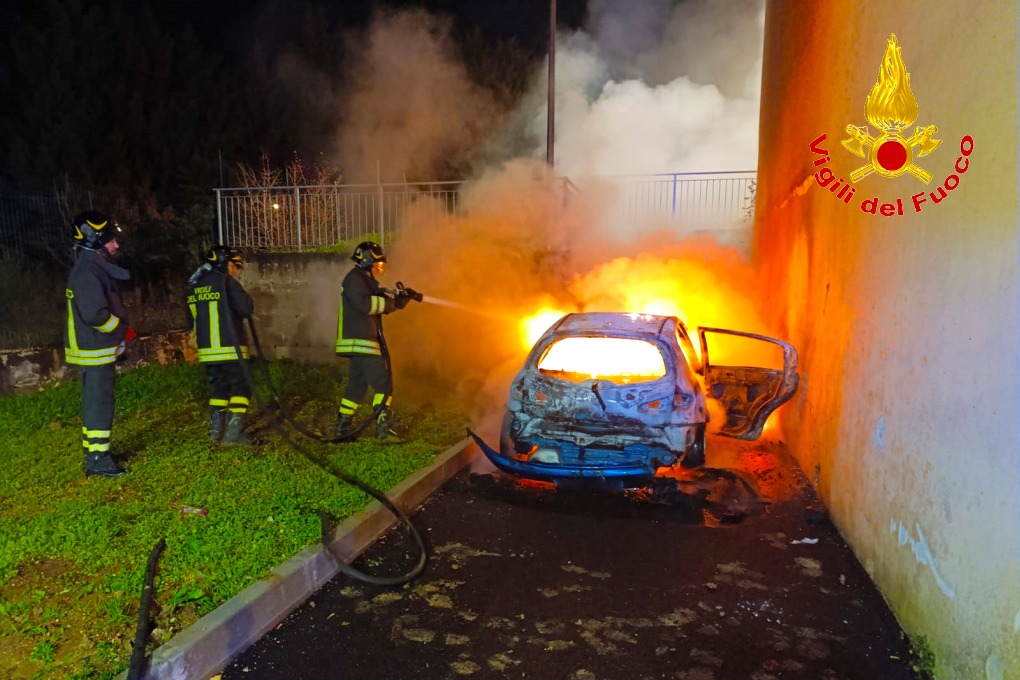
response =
{"points": [[695, 450]]}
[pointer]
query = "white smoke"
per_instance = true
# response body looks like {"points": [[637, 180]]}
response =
{"points": [[653, 88]]}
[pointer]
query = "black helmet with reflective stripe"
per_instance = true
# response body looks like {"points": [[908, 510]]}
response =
{"points": [[93, 230], [219, 256], [367, 254]]}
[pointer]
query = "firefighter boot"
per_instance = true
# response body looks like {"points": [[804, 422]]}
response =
{"points": [[383, 433], [344, 428], [234, 434], [217, 423], [102, 465]]}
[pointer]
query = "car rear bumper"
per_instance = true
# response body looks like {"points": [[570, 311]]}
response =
{"points": [[627, 473]]}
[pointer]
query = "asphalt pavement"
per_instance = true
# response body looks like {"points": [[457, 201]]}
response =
{"points": [[729, 572]]}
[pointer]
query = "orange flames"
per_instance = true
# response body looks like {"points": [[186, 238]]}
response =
{"points": [[621, 360], [699, 291], [533, 326]]}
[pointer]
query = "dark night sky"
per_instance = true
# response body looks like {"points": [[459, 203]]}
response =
{"points": [[224, 25]]}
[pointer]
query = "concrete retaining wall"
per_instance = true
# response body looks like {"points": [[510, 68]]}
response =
{"points": [[34, 368], [297, 296]]}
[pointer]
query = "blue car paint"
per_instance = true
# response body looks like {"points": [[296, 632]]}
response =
{"points": [[623, 475], [641, 440]]}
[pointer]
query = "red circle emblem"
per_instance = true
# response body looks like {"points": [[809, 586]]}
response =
{"points": [[892, 155]]}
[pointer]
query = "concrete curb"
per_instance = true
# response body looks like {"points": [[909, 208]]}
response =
{"points": [[206, 647]]}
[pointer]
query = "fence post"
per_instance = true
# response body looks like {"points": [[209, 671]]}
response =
{"points": [[673, 213], [382, 218], [297, 213], [219, 216]]}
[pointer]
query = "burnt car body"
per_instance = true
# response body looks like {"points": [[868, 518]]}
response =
{"points": [[621, 426]]}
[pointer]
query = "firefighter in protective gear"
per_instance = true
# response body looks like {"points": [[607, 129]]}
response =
{"points": [[219, 305], [360, 339], [95, 333]]}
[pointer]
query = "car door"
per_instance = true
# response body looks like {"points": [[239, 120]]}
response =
{"points": [[749, 394]]}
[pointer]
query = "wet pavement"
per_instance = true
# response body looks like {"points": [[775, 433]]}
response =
{"points": [[731, 572]]}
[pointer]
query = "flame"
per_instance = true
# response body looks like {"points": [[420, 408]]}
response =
{"points": [[718, 291], [891, 104], [621, 360], [713, 291], [533, 326]]}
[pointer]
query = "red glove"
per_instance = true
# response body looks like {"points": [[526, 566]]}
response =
{"points": [[130, 335]]}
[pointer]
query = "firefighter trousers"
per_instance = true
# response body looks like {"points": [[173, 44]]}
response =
{"points": [[97, 403], [365, 372], [229, 386]]}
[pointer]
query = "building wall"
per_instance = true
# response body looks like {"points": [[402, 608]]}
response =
{"points": [[907, 416]]}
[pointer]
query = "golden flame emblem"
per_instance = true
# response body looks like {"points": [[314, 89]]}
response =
{"points": [[891, 107]]}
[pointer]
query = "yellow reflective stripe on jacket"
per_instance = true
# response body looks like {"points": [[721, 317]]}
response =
{"points": [[214, 325], [221, 353], [357, 346], [110, 324], [378, 305], [90, 357], [72, 337]]}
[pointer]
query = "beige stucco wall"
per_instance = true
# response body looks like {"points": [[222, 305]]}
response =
{"points": [[297, 298], [908, 411]]}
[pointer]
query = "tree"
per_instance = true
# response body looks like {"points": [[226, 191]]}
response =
{"points": [[112, 99]]}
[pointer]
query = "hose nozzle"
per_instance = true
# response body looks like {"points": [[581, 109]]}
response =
{"points": [[409, 292]]}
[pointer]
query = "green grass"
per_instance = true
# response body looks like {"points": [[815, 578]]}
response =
{"points": [[73, 551], [922, 658]]}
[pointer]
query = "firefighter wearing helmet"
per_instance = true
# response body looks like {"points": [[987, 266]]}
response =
{"points": [[360, 338], [219, 304], [96, 333]]}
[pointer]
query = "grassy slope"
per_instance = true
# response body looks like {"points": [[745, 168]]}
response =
{"points": [[73, 551]]}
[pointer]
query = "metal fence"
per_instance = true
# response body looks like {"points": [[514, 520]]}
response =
{"points": [[311, 217], [39, 222], [691, 199]]}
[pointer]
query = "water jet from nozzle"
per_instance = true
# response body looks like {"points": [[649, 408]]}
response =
{"points": [[465, 308]]}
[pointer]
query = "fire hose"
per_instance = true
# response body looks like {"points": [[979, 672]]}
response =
{"points": [[322, 462], [358, 429], [142, 628]]}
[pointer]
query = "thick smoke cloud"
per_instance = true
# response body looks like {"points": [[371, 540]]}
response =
{"points": [[631, 99], [654, 87], [409, 106]]}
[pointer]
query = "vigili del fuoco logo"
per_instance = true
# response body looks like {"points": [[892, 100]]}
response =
{"points": [[891, 108]]}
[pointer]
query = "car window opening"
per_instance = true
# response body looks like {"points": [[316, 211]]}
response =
{"points": [[617, 360]]}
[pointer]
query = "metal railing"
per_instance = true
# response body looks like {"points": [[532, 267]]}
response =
{"points": [[691, 198], [312, 217], [309, 217], [40, 222]]}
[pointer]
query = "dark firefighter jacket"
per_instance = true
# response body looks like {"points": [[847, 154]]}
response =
{"points": [[96, 317], [216, 335], [359, 328]]}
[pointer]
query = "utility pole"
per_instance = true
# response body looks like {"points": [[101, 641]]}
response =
{"points": [[550, 130]]}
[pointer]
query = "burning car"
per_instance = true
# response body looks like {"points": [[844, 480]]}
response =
{"points": [[613, 397]]}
